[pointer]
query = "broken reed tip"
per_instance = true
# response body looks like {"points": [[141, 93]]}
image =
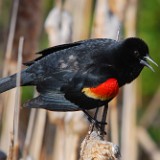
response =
{"points": [[94, 147]]}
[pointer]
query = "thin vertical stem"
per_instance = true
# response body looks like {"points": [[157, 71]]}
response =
{"points": [[11, 34], [29, 133], [17, 97], [129, 128]]}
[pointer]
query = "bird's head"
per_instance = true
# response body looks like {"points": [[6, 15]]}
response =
{"points": [[133, 57], [137, 53]]}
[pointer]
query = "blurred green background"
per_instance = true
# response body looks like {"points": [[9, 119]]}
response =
{"points": [[148, 28]]}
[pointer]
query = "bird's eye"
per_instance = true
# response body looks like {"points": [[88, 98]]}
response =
{"points": [[136, 54]]}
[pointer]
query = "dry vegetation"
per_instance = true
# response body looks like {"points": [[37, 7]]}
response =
{"points": [[45, 135]]}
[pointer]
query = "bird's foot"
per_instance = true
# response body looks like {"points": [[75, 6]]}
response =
{"points": [[99, 125]]}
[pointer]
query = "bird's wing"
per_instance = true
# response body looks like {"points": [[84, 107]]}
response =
{"points": [[53, 49], [54, 102], [61, 47], [51, 97]]}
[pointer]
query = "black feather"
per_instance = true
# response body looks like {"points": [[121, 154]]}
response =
{"points": [[61, 72], [51, 50], [55, 102]]}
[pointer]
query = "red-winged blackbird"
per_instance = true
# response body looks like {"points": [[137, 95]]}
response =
{"points": [[82, 75]]}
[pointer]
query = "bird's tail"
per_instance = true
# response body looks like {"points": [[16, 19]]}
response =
{"points": [[9, 82]]}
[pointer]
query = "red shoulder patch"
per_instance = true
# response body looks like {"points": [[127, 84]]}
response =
{"points": [[104, 91]]}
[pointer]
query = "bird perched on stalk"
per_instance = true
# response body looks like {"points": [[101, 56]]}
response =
{"points": [[82, 75]]}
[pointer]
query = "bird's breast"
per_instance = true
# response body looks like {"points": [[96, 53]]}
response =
{"points": [[105, 91]]}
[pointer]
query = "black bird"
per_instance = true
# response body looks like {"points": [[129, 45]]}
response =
{"points": [[82, 75]]}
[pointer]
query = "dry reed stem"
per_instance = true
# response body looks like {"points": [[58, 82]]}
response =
{"points": [[37, 135], [11, 36], [129, 145], [10, 154], [29, 133], [17, 97], [14, 144], [17, 102], [8, 112], [94, 147]]}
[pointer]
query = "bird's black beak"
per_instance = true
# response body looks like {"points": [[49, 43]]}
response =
{"points": [[145, 63]]}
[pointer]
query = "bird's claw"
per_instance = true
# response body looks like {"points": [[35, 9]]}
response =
{"points": [[98, 125]]}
